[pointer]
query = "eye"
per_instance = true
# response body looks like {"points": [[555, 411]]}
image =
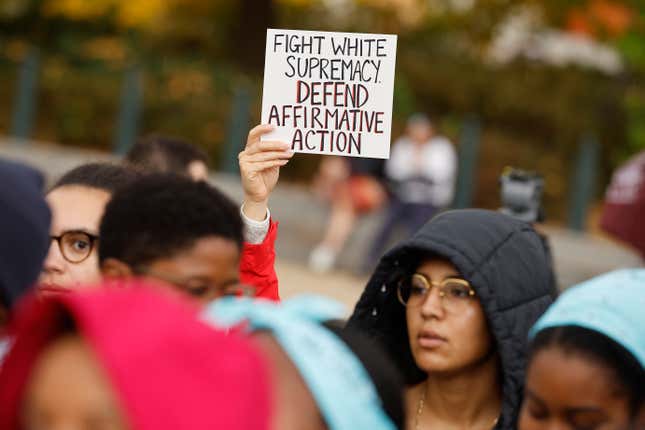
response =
{"points": [[418, 286], [197, 290], [76, 245], [537, 412], [587, 420], [80, 245], [417, 291], [457, 290]]}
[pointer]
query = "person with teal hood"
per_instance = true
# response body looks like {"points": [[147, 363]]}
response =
{"points": [[587, 362], [330, 378]]}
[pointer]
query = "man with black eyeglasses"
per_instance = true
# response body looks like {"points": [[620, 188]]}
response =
{"points": [[77, 201]]}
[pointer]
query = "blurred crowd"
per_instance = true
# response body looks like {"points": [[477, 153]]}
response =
{"points": [[137, 296]]}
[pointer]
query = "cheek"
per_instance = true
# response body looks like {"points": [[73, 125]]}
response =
{"points": [[86, 272], [414, 320], [469, 332]]}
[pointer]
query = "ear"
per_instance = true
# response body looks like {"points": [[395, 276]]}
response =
{"points": [[113, 268]]}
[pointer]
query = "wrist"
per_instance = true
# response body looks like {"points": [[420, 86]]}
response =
{"points": [[255, 210]]}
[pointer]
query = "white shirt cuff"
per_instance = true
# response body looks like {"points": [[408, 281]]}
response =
{"points": [[255, 231]]}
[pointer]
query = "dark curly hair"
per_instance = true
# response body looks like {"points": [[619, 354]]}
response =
{"points": [[163, 214], [103, 176]]}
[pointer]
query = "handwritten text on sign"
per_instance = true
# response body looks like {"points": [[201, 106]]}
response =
{"points": [[330, 93]]}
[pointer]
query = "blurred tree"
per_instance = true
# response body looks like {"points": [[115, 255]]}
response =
{"points": [[252, 19], [196, 51]]}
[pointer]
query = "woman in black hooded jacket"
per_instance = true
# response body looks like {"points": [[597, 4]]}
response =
{"points": [[453, 306]]}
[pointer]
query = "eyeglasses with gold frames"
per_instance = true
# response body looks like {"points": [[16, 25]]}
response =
{"points": [[454, 292]]}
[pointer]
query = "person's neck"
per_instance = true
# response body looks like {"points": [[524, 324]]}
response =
{"points": [[468, 399]]}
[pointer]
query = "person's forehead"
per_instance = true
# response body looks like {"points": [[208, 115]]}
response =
{"points": [[209, 256], [76, 207], [568, 377], [211, 249], [437, 267]]}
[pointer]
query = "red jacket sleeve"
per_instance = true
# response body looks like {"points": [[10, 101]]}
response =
{"points": [[257, 265]]}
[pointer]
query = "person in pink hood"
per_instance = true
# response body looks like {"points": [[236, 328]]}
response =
{"points": [[128, 359]]}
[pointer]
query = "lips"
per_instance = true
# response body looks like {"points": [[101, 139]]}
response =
{"points": [[49, 289], [430, 339]]}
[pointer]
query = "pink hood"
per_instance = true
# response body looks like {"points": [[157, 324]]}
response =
{"points": [[169, 370]]}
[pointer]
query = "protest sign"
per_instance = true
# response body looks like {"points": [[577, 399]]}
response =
{"points": [[330, 93]]}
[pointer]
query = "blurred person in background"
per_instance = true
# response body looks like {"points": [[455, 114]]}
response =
{"points": [[354, 187], [453, 305], [586, 368], [24, 233], [624, 206], [129, 358], [330, 378], [421, 173], [162, 154]]}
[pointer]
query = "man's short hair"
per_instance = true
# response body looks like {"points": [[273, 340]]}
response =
{"points": [[103, 176], [161, 215], [161, 154]]}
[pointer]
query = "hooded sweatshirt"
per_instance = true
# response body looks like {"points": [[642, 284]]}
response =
{"points": [[611, 304], [505, 262], [24, 229], [169, 370]]}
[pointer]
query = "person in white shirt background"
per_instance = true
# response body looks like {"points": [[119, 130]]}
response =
{"points": [[421, 173]]}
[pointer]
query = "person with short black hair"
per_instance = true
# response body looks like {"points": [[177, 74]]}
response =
{"points": [[163, 154], [186, 234], [77, 201], [586, 366], [108, 177]]}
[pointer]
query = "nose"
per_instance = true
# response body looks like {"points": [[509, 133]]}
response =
{"points": [[54, 262], [433, 305]]}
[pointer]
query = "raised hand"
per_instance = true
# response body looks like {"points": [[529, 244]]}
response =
{"points": [[260, 164]]}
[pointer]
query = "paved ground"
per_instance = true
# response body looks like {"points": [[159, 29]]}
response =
{"points": [[577, 256]]}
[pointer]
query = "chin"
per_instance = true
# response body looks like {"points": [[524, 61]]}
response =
{"points": [[431, 361]]}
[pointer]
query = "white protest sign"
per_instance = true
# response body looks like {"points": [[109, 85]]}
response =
{"points": [[330, 93]]}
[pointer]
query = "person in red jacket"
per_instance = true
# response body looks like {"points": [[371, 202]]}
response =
{"points": [[129, 358], [260, 164]]}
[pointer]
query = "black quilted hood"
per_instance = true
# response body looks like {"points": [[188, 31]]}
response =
{"points": [[505, 261]]}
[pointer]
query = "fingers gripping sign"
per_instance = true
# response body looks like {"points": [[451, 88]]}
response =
{"points": [[260, 164]]}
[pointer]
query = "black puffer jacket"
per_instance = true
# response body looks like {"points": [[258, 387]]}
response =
{"points": [[504, 260]]}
